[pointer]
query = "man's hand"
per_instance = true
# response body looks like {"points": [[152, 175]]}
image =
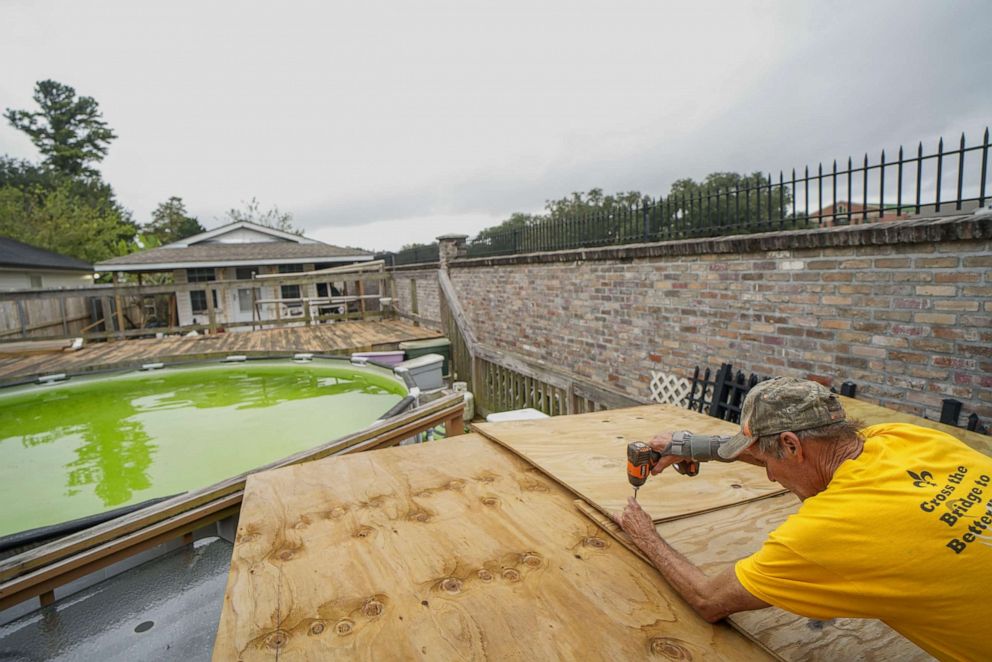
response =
{"points": [[714, 597], [637, 524], [661, 443]]}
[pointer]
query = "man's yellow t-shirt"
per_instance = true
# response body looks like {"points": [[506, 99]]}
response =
{"points": [[903, 533]]}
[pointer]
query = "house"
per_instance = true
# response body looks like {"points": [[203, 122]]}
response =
{"points": [[24, 267], [238, 251]]}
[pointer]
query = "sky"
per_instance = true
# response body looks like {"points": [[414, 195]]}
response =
{"points": [[379, 124]]}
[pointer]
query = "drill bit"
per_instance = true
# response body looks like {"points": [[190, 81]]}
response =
{"points": [[635, 493]]}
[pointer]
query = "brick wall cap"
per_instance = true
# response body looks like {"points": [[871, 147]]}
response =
{"points": [[912, 231]]}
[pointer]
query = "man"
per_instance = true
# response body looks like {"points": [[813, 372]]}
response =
{"points": [[895, 524]]}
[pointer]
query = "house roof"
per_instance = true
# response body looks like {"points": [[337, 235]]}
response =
{"points": [[229, 255], [208, 249], [211, 235], [20, 255]]}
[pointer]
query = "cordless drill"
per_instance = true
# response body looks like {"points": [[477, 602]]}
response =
{"points": [[698, 447]]}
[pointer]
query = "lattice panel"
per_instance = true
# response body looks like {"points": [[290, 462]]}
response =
{"points": [[669, 389]]}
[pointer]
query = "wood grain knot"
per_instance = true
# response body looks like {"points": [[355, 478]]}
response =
{"points": [[490, 501], [286, 555], [456, 484], [277, 639], [337, 513], [425, 494], [419, 516], [451, 585], [372, 608], [736, 486], [531, 560], [670, 648], [485, 576], [363, 532], [511, 575], [316, 628], [593, 541], [344, 627]]}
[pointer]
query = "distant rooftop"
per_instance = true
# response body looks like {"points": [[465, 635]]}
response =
{"points": [[16, 254], [235, 244]]}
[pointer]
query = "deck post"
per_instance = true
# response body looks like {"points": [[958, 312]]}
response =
{"points": [[119, 302], [211, 312], [255, 315], [361, 298], [306, 311], [455, 425]]}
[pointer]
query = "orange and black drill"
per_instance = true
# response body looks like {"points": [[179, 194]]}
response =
{"points": [[698, 448]]}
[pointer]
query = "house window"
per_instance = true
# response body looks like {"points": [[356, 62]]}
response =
{"points": [[245, 273], [198, 301], [35, 282], [200, 275], [290, 291], [198, 298]]}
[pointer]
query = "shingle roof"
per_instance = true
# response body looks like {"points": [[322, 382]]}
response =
{"points": [[18, 254], [221, 253]]}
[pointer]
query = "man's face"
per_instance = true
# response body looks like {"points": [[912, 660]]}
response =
{"points": [[792, 470]]}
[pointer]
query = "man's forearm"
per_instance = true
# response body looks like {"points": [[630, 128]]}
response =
{"points": [[680, 572]]}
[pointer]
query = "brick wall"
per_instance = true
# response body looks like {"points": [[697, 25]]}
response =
{"points": [[904, 310], [425, 282]]}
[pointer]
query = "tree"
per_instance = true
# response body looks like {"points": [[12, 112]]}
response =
{"points": [[272, 218], [171, 222], [725, 203], [70, 220], [68, 131]]}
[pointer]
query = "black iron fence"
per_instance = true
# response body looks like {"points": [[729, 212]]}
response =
{"points": [[911, 184], [424, 253]]}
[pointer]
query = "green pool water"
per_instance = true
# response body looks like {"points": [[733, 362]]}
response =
{"points": [[94, 444]]}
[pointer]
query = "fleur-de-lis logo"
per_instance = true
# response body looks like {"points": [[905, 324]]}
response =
{"points": [[922, 479]]}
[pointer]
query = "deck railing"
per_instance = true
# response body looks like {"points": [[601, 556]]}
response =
{"points": [[118, 309]]}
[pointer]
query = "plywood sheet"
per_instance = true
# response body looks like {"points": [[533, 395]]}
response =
{"points": [[872, 414], [715, 540], [450, 550], [588, 454]]}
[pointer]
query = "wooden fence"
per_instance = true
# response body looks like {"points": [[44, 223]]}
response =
{"points": [[43, 318]]}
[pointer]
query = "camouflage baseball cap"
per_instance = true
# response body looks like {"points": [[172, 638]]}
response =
{"points": [[784, 404]]}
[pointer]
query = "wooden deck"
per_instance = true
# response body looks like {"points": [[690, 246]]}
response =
{"points": [[341, 338]]}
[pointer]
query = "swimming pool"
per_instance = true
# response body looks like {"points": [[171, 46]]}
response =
{"points": [[92, 444]]}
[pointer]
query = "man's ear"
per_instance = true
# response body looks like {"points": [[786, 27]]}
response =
{"points": [[790, 445]]}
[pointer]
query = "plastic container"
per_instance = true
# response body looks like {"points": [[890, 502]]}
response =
{"points": [[515, 415], [442, 346], [423, 371], [462, 387], [389, 358]]}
